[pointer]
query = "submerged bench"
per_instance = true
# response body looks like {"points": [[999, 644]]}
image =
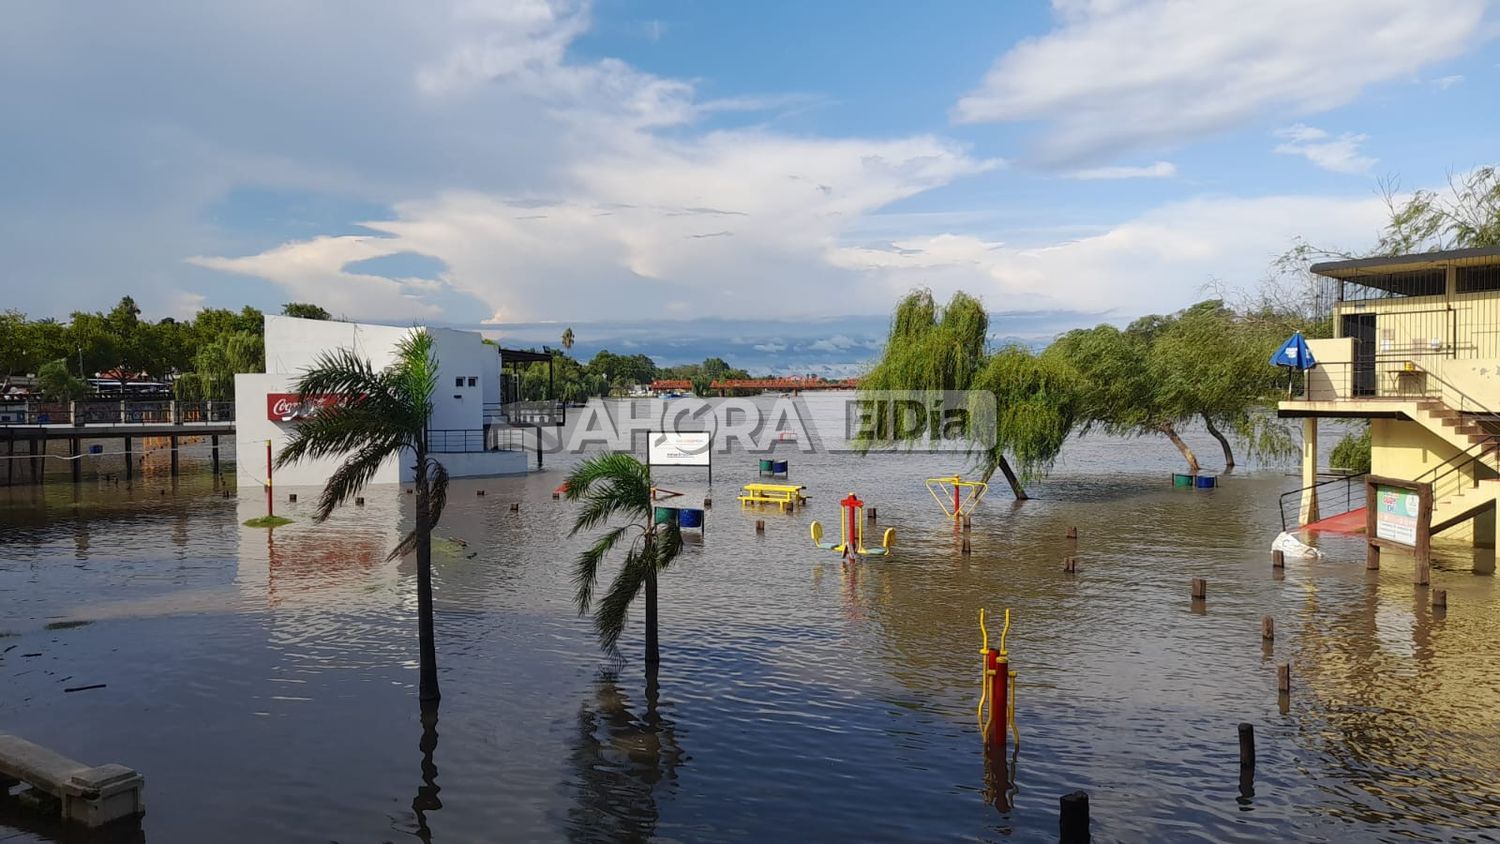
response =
{"points": [[91, 795]]}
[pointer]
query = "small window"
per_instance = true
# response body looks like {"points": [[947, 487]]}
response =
{"points": [[459, 381], [473, 381]]}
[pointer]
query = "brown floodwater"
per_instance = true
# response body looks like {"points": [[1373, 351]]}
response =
{"points": [[264, 682]]}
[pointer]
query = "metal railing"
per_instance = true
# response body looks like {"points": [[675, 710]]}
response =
{"points": [[1389, 378], [1449, 478], [474, 440], [125, 412], [1351, 500], [545, 414]]}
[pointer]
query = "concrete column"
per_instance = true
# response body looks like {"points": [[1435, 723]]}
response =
{"points": [[215, 441], [36, 463], [173, 441], [1309, 511], [129, 461], [73, 446], [1484, 528]]}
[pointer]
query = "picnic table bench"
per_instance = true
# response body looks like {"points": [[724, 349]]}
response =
{"points": [[785, 496]]}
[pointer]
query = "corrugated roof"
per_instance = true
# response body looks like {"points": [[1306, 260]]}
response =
{"points": [[1406, 263]]}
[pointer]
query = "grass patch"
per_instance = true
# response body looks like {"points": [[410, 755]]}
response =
{"points": [[268, 521]]}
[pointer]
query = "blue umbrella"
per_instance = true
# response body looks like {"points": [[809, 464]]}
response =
{"points": [[1294, 354]]}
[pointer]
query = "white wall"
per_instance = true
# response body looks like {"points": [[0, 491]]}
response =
{"points": [[294, 344]]}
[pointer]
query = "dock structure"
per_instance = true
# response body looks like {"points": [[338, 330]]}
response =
{"points": [[27, 427], [88, 794]]}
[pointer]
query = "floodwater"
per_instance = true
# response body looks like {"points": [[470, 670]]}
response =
{"points": [[264, 682]]}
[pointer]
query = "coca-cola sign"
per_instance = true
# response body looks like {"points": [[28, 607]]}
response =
{"points": [[289, 407]]}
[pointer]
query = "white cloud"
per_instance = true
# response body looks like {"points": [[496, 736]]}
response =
{"points": [[1158, 261], [1446, 82], [1117, 76], [1340, 155], [1157, 170]]}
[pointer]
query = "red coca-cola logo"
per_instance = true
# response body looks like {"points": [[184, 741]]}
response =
{"points": [[285, 407]]}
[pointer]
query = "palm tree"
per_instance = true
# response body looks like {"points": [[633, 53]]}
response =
{"points": [[567, 338], [618, 485], [379, 415]]}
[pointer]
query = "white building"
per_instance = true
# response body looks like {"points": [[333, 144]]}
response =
{"points": [[462, 431]]}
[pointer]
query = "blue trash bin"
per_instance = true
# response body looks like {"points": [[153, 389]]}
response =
{"points": [[689, 518]]}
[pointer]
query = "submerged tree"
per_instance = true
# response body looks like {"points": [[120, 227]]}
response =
{"points": [[619, 486], [1035, 400], [376, 416]]}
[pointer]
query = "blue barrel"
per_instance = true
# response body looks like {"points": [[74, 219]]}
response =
{"points": [[96, 449], [690, 518], [778, 467], [1207, 481]]}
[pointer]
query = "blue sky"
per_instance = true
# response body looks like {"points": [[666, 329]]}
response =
{"points": [[759, 180]]}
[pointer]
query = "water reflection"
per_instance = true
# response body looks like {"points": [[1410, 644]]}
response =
{"points": [[624, 765], [427, 799], [1000, 779]]}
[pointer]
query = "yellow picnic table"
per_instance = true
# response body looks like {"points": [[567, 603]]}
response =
{"points": [[785, 496]]}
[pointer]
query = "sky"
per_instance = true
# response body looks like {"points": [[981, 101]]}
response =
{"points": [[761, 181]]}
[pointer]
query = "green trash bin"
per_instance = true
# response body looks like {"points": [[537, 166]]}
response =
{"points": [[1182, 480]]}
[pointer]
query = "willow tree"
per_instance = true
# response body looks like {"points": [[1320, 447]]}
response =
{"points": [[932, 349], [1120, 393], [1208, 362]]}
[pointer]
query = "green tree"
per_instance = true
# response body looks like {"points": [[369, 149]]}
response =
{"points": [[1465, 216], [619, 486], [58, 384], [1120, 394], [93, 346], [1035, 400], [217, 362], [379, 415], [304, 310], [1352, 452], [17, 352], [567, 337], [702, 386]]}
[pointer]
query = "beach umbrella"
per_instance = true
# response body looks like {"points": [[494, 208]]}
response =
{"points": [[1295, 356]]}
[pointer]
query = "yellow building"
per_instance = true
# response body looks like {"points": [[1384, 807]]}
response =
{"points": [[1416, 350]]}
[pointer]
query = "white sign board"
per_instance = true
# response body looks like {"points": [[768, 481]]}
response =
{"points": [[679, 448]]}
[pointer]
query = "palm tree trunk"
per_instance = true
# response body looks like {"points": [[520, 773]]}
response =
{"points": [[1187, 453], [1010, 477], [427, 643], [1223, 443], [653, 651]]}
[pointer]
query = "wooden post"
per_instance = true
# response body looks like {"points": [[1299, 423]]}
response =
{"points": [[1284, 678], [1073, 535], [359, 502], [36, 463], [214, 440], [708, 503], [1440, 599], [1073, 818], [479, 492], [870, 514], [1070, 565], [1247, 746], [292, 498], [965, 548], [1200, 588], [1422, 572], [173, 441], [129, 461], [1278, 559], [515, 507], [967, 524], [1268, 628], [73, 445], [760, 525]]}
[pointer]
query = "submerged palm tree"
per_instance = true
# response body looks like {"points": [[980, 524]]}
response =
{"points": [[618, 485], [375, 416]]}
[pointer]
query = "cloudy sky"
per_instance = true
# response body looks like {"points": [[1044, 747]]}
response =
{"points": [[758, 179]]}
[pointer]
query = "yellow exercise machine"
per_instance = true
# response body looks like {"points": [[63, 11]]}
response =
{"points": [[852, 528], [958, 497], [998, 684]]}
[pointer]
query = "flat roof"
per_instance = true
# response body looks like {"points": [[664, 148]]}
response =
{"points": [[520, 356], [1354, 268]]}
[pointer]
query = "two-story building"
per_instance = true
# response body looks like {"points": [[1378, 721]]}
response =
{"points": [[467, 430], [1416, 351]]}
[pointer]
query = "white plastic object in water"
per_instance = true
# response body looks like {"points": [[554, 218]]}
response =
{"points": [[1292, 547]]}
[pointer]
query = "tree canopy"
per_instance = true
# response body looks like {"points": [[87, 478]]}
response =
{"points": [[305, 310]]}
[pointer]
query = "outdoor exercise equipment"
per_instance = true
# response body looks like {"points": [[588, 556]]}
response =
{"points": [[852, 530], [956, 496], [998, 685]]}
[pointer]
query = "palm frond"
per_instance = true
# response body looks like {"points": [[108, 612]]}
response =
{"points": [[340, 429], [586, 570], [437, 485], [609, 485], [668, 545], [352, 475], [614, 607]]}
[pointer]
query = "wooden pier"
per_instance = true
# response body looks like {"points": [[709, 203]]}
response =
{"points": [[31, 425]]}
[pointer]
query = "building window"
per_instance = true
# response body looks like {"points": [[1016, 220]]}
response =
{"points": [[459, 381], [473, 381], [1478, 279]]}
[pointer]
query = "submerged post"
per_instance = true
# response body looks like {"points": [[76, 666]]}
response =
{"points": [[1073, 818], [1200, 588], [1247, 746], [1278, 559], [214, 440], [1267, 628], [129, 460], [1284, 678], [73, 446], [1440, 599], [173, 442], [270, 507]]}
